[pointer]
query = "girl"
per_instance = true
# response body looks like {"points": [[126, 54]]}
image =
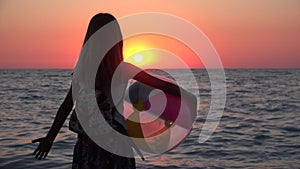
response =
{"points": [[87, 154]]}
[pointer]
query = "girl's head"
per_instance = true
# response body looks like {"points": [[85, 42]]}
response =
{"points": [[114, 56], [100, 20]]}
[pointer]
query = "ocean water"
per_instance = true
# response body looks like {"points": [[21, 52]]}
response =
{"points": [[260, 126]]}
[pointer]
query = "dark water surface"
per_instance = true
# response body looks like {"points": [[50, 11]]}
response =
{"points": [[260, 127]]}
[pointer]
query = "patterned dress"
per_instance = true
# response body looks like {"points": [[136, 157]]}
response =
{"points": [[87, 154]]}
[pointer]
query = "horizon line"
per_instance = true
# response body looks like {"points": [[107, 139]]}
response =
{"points": [[61, 68]]}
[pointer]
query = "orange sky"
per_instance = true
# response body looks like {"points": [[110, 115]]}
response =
{"points": [[246, 34]]}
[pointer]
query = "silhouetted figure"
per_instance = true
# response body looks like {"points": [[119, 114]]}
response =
{"points": [[87, 154]]}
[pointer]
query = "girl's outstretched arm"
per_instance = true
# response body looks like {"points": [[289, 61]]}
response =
{"points": [[168, 87], [46, 142]]}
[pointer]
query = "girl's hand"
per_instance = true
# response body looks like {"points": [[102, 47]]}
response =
{"points": [[43, 148]]}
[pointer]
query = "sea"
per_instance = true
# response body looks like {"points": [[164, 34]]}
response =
{"points": [[259, 127]]}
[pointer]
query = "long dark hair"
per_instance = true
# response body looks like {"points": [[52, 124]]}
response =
{"points": [[113, 57]]}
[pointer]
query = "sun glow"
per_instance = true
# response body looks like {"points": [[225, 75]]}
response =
{"points": [[144, 52], [136, 51]]}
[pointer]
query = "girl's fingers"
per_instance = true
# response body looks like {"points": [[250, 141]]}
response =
{"points": [[35, 151], [37, 155], [45, 155], [41, 155]]}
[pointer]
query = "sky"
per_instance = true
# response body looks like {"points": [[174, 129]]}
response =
{"points": [[246, 34]]}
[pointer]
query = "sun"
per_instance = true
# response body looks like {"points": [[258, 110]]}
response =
{"points": [[138, 58], [142, 58]]}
